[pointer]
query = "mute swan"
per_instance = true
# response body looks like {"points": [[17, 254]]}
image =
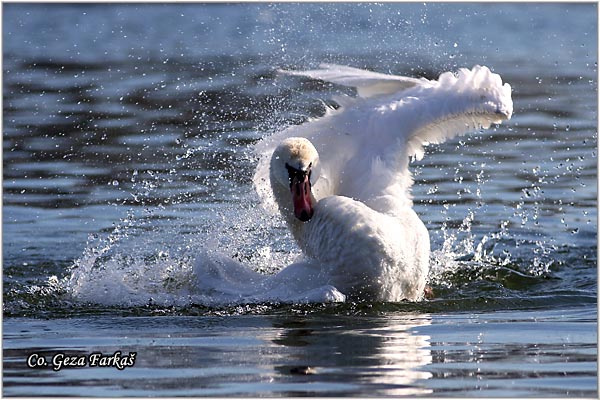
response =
{"points": [[342, 181]]}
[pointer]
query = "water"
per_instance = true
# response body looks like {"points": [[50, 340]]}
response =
{"points": [[126, 151]]}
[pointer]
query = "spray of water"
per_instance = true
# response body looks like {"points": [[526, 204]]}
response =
{"points": [[149, 255]]}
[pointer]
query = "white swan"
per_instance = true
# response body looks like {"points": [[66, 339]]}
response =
{"points": [[342, 181]]}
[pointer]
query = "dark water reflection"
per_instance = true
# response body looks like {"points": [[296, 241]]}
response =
{"points": [[392, 355], [265, 356]]}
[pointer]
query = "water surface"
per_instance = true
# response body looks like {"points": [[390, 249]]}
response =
{"points": [[127, 134]]}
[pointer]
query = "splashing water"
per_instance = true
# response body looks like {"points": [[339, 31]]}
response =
{"points": [[196, 202], [138, 263], [499, 255], [145, 262]]}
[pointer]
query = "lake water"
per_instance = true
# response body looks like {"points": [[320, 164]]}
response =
{"points": [[127, 135]]}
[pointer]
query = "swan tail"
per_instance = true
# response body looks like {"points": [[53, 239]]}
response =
{"points": [[367, 83]]}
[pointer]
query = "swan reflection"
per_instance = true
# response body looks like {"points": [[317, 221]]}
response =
{"points": [[374, 356]]}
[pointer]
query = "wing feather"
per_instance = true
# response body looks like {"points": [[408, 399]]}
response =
{"points": [[367, 83]]}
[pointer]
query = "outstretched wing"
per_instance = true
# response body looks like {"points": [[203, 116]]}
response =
{"points": [[365, 146], [367, 83]]}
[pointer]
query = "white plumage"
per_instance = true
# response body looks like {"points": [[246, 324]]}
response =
{"points": [[365, 146], [364, 240]]}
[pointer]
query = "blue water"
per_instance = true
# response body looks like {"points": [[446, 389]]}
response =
{"points": [[126, 149]]}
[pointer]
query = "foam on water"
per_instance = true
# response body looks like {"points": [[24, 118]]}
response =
{"points": [[226, 261]]}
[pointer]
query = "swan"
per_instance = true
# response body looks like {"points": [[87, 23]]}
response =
{"points": [[342, 182]]}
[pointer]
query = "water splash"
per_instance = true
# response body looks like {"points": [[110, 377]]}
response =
{"points": [[499, 256], [141, 262]]}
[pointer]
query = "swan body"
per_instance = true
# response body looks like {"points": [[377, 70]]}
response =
{"points": [[342, 181]]}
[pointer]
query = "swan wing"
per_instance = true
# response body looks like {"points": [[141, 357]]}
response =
{"points": [[366, 145], [455, 105], [367, 83]]}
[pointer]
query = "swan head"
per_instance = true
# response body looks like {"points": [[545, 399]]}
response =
{"points": [[294, 169]]}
